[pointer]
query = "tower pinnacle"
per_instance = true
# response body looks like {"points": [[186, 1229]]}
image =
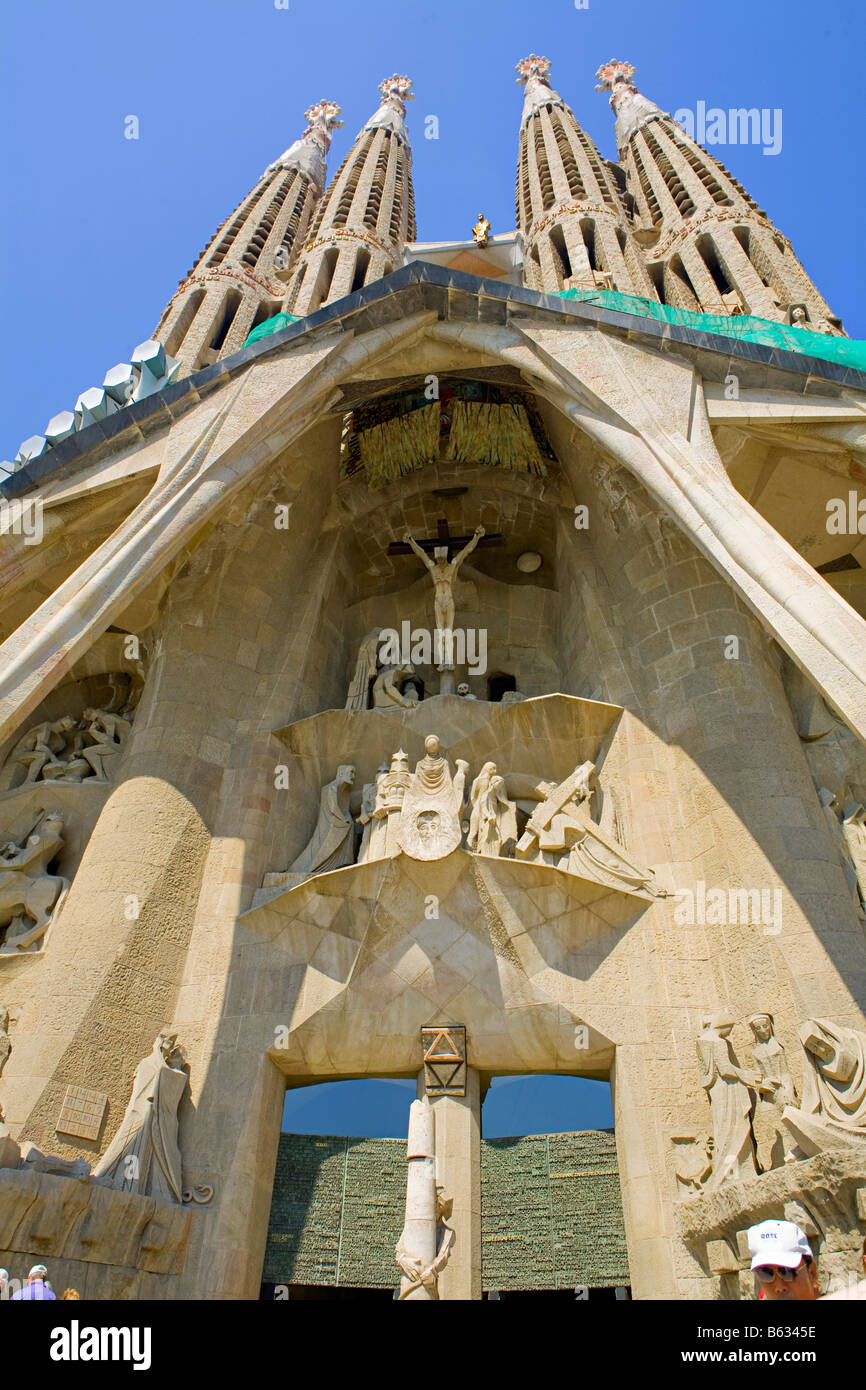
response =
{"points": [[395, 92], [309, 152], [629, 105], [533, 72]]}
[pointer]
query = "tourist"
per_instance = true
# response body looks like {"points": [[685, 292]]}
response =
{"points": [[36, 1286], [69, 1294], [782, 1262], [855, 1290], [4, 1283]]}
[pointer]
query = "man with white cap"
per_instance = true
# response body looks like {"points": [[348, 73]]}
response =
{"points": [[35, 1287], [782, 1262]]}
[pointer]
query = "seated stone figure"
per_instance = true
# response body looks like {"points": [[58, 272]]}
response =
{"points": [[833, 1110], [28, 892], [69, 750]]}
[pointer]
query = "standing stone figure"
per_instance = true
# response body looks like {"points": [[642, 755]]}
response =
{"points": [[425, 1243], [332, 845], [727, 1088], [493, 822], [443, 573], [144, 1155], [5, 1040], [374, 819], [366, 666], [430, 825], [774, 1093]]}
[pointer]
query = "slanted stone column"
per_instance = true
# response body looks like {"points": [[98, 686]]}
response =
{"points": [[458, 1170]]}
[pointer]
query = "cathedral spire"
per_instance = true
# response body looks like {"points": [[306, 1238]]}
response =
{"points": [[569, 211], [708, 246], [367, 214], [309, 153], [238, 280]]}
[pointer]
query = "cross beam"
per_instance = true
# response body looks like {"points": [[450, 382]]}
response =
{"points": [[444, 538]]}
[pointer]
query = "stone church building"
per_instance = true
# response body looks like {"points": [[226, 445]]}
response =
{"points": [[443, 661]]}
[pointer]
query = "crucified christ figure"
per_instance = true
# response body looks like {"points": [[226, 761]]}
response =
{"points": [[443, 573]]}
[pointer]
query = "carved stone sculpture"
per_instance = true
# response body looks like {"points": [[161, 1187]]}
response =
{"points": [[854, 833], [332, 845], [5, 1040], [774, 1093], [693, 1163], [387, 693], [425, 1243], [561, 832], [430, 824], [144, 1155], [443, 573], [833, 1110], [374, 819], [391, 793], [29, 894], [31, 1157], [69, 750], [366, 666], [493, 821], [727, 1088]]}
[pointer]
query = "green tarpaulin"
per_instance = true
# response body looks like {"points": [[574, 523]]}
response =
{"points": [[848, 352], [272, 325]]}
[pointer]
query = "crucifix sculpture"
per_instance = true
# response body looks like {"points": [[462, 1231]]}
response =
{"points": [[443, 569]]}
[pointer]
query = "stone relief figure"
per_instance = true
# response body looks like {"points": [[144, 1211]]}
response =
{"points": [[693, 1162], [40, 747], [430, 823], [144, 1155], [493, 820], [29, 894], [774, 1093], [854, 835], [443, 573], [66, 750], [332, 845], [833, 1109], [561, 832], [366, 666], [425, 1243], [391, 793], [374, 819], [727, 1088], [387, 693], [5, 1040]]}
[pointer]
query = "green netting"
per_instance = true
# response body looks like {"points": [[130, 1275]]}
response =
{"points": [[272, 325], [849, 352]]}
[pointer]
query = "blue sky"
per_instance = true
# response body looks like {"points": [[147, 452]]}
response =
{"points": [[100, 229], [513, 1105]]}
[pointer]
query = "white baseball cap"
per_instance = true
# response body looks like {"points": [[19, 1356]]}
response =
{"points": [[37, 1272], [778, 1243]]}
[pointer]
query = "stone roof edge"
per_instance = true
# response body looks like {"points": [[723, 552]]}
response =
{"points": [[145, 416]]}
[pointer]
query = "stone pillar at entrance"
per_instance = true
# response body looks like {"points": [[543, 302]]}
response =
{"points": [[458, 1170]]}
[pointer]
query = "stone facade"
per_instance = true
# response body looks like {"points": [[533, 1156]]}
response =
{"points": [[664, 750]]}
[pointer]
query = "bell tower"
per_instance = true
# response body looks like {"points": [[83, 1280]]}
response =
{"points": [[569, 208], [236, 282], [708, 246], [368, 213]]}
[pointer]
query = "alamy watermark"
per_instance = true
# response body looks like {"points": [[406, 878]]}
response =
{"points": [[736, 126], [439, 647], [22, 516], [720, 907]]}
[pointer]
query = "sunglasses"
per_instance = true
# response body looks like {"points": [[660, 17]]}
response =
{"points": [[767, 1273]]}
